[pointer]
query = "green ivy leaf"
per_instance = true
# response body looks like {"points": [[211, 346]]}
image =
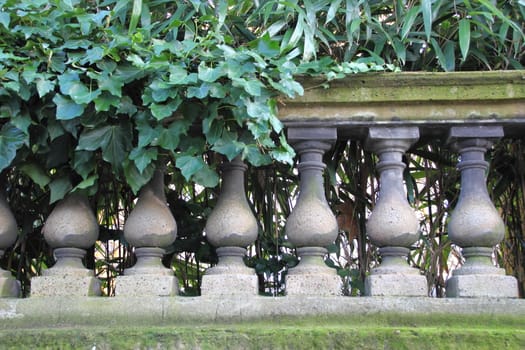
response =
{"points": [[189, 165], [83, 163], [93, 55], [253, 155], [5, 19], [143, 157], [36, 173], [162, 111], [44, 86], [169, 138], [11, 139], [114, 140], [59, 188], [67, 109], [209, 74], [206, 177], [134, 178], [87, 183]]}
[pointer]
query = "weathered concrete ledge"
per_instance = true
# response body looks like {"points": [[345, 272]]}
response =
{"points": [[432, 101], [45, 312]]}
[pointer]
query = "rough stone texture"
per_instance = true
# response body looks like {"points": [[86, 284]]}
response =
{"points": [[314, 284], [396, 285], [71, 224], [9, 286], [231, 227], [146, 285], [229, 284], [150, 223], [231, 222], [482, 286], [137, 311], [475, 224], [432, 101], [64, 285], [230, 276]]}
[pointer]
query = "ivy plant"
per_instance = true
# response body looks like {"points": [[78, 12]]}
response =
{"points": [[122, 84]]}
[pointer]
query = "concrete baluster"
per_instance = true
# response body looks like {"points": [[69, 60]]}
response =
{"points": [[393, 225], [9, 287], [312, 226], [70, 229], [231, 227], [475, 224], [150, 228]]}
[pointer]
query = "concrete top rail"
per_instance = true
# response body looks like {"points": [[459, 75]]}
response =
{"points": [[432, 101]]}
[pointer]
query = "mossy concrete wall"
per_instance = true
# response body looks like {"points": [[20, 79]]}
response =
{"points": [[261, 323]]}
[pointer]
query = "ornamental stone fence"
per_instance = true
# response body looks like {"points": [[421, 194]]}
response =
{"points": [[469, 111]]}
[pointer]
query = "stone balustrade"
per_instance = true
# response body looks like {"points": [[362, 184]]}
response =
{"points": [[389, 113]]}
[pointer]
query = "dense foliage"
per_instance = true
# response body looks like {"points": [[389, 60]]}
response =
{"points": [[94, 93]]}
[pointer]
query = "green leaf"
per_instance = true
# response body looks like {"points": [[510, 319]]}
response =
{"points": [[105, 101], [409, 20], [143, 157], [93, 55], [84, 163], [59, 188], [114, 140], [67, 109], [134, 178], [253, 155], [147, 134], [209, 74], [11, 139], [228, 145], [199, 92], [284, 153], [111, 84], [36, 173], [169, 138], [43, 86], [80, 94], [87, 183], [267, 47], [206, 177], [5, 19], [189, 165], [162, 111], [426, 9], [464, 37]]}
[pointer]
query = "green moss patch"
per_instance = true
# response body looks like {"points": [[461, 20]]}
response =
{"points": [[359, 332]]}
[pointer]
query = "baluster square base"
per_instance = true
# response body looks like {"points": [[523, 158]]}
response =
{"points": [[9, 287], [67, 285], [146, 285], [229, 284], [396, 284], [314, 284], [482, 286]]}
